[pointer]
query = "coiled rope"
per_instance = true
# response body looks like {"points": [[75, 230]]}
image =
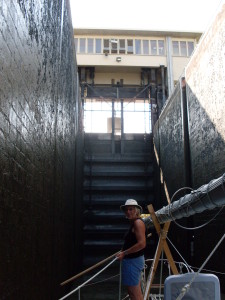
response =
{"points": [[194, 192]]}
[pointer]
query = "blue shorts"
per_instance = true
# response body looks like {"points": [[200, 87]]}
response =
{"points": [[131, 270]]}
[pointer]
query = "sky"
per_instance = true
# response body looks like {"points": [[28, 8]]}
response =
{"points": [[174, 15]]}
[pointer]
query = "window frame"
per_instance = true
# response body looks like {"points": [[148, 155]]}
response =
{"points": [[128, 52], [151, 42], [138, 46], [98, 40], [88, 40], [148, 43], [80, 45], [122, 48]]}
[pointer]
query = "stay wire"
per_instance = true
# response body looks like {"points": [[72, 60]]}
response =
{"points": [[207, 270], [180, 255], [186, 287]]}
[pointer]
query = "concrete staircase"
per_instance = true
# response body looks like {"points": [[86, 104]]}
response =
{"points": [[109, 180]]}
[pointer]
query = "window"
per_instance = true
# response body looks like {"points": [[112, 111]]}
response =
{"points": [[98, 116], [137, 46], [76, 44], [122, 48], [190, 48], [114, 45], [138, 110], [132, 46], [90, 45], [146, 47], [130, 49], [175, 48], [183, 49], [161, 47], [153, 47], [82, 45], [98, 46], [96, 113], [106, 46]]}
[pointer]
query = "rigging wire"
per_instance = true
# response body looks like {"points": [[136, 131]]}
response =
{"points": [[207, 270], [180, 255], [83, 284], [100, 281], [186, 287]]}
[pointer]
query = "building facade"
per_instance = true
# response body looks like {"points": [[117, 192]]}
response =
{"points": [[129, 66]]}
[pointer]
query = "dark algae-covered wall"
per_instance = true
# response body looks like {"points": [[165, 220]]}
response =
{"points": [[190, 140], [38, 145]]}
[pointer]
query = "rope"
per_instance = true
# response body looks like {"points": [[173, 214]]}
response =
{"points": [[223, 180], [80, 286], [207, 270], [200, 226], [120, 282], [127, 296], [97, 282], [197, 227], [186, 287]]}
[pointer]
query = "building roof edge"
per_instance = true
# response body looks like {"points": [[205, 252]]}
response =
{"points": [[139, 32]]}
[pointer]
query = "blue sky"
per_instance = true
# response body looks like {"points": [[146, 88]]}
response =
{"points": [[189, 15]]}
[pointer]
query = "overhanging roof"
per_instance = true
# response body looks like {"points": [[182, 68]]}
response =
{"points": [[132, 32]]}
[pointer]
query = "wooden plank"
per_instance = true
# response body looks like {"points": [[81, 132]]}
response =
{"points": [[162, 245]]}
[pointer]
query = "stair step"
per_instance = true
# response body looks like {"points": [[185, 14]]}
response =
{"points": [[118, 188], [106, 228], [102, 243], [100, 214], [117, 174], [109, 180], [116, 199], [140, 158]]}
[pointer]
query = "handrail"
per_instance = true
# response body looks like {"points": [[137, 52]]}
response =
{"points": [[80, 286]]}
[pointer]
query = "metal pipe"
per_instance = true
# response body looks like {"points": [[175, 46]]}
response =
{"points": [[113, 126], [207, 197], [163, 85]]}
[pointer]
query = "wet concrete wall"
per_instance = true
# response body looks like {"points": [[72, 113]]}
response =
{"points": [[38, 128], [205, 77], [190, 139], [170, 143], [169, 139]]}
